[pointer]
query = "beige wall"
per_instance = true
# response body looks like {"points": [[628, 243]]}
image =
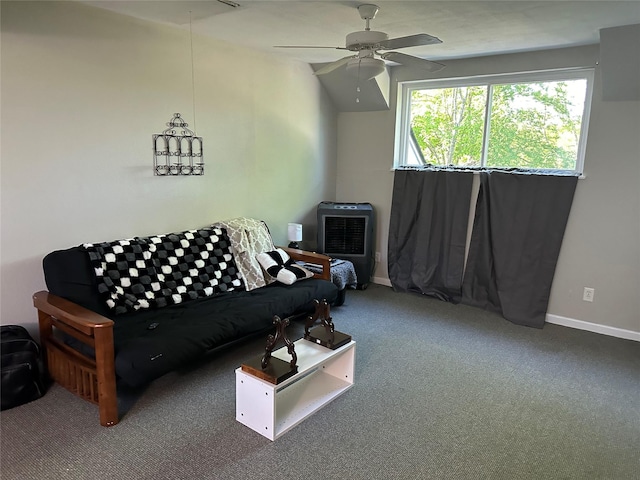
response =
{"points": [[82, 92], [601, 247]]}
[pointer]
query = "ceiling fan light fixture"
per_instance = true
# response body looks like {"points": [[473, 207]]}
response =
{"points": [[365, 68]]}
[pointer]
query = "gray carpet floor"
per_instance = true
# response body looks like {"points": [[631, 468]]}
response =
{"points": [[441, 392]]}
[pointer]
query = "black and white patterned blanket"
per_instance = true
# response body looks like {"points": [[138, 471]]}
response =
{"points": [[161, 270]]}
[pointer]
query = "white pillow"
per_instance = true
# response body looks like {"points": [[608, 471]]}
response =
{"points": [[280, 266]]}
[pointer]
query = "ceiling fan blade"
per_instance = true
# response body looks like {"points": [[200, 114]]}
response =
{"points": [[410, 41], [411, 61], [307, 46], [332, 66]]}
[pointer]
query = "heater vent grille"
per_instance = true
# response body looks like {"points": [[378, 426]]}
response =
{"points": [[345, 235]]}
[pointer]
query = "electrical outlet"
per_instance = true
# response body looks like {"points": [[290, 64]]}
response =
{"points": [[588, 294], [377, 256]]}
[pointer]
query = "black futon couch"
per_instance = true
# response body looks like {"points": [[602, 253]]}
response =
{"points": [[99, 348]]}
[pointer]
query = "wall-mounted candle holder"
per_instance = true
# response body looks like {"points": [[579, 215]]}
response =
{"points": [[177, 153]]}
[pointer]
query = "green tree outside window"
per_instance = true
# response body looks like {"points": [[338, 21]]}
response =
{"points": [[531, 125]]}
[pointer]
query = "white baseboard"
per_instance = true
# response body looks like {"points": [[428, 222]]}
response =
{"points": [[564, 321], [593, 327]]}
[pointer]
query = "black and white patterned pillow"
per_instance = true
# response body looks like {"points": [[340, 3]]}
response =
{"points": [[162, 270], [281, 267]]}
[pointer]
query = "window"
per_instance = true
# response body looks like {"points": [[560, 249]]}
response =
{"points": [[535, 121]]}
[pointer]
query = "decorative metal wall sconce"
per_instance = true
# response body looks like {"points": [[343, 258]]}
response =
{"points": [[177, 153]]}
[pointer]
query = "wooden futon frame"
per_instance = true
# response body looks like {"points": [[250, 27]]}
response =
{"points": [[94, 379]]}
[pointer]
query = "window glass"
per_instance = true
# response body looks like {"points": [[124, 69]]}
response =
{"points": [[447, 124], [534, 121], [536, 125]]}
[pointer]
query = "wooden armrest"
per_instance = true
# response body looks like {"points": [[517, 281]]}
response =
{"points": [[81, 323], [311, 257], [92, 378], [70, 313]]}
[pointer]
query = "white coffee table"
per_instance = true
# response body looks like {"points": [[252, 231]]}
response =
{"points": [[272, 410]]}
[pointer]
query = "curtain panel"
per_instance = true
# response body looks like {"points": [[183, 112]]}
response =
{"points": [[428, 231], [517, 234]]}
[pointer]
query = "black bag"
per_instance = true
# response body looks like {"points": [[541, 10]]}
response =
{"points": [[22, 367]]}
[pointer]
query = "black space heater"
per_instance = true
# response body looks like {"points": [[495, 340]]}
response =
{"points": [[346, 231]]}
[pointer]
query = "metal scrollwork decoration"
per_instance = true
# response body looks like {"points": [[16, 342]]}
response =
{"points": [[177, 153]]}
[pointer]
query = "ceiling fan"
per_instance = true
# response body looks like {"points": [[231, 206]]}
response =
{"points": [[368, 44]]}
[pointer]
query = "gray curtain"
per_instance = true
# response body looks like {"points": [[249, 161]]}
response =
{"points": [[517, 233], [427, 232]]}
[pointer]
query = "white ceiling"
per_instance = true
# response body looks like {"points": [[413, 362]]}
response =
{"points": [[467, 28]]}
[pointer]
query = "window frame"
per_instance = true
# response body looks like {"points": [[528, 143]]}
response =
{"points": [[406, 88]]}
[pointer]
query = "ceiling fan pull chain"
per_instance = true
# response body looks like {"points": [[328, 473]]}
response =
{"points": [[358, 84]]}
